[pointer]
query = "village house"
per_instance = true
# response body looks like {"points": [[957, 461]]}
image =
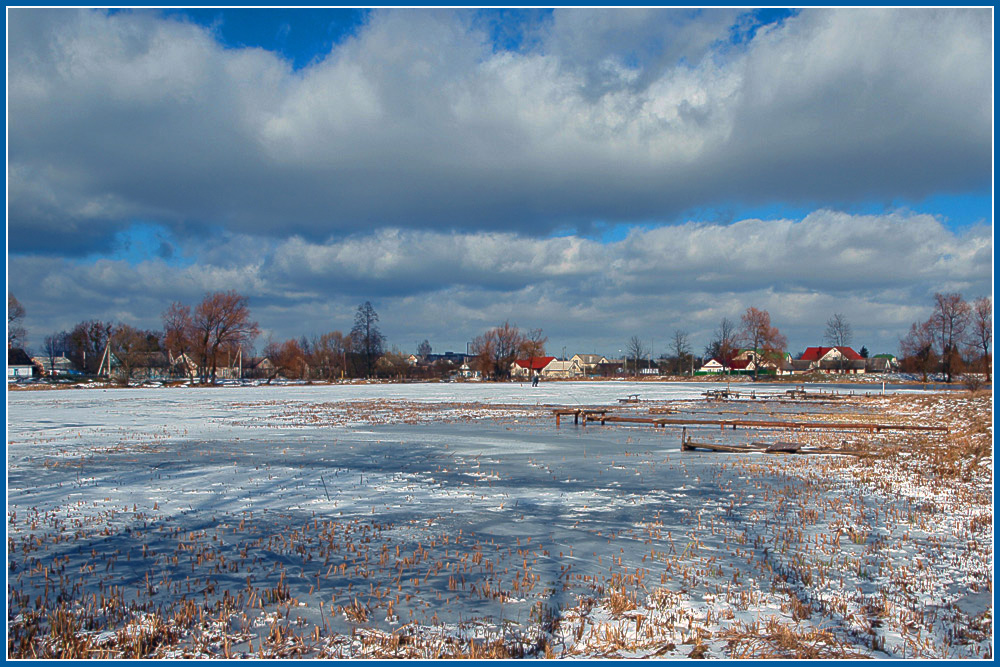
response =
{"points": [[259, 368], [562, 369], [182, 365], [713, 365], [154, 366], [882, 363], [589, 363], [19, 365], [546, 367], [526, 368], [53, 366], [466, 371], [840, 359]]}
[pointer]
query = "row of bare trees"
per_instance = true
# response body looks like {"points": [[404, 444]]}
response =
{"points": [[955, 339], [220, 324], [212, 335], [333, 355]]}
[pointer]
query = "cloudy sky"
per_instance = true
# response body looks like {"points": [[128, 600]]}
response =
{"points": [[596, 173]]}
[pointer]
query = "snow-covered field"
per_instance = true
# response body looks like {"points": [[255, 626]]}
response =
{"points": [[430, 520]]}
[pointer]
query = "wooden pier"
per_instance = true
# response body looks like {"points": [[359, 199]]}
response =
{"points": [[578, 413], [689, 445], [583, 415], [794, 395]]}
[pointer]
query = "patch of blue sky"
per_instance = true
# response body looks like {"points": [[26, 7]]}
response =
{"points": [[301, 36], [745, 30], [143, 242], [516, 30]]}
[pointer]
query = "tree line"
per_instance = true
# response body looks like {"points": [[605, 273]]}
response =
{"points": [[955, 338], [212, 334]]}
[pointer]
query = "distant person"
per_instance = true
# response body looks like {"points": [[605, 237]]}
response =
{"points": [[534, 381]]}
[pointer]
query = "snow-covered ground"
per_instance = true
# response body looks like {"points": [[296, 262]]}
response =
{"points": [[445, 519]]}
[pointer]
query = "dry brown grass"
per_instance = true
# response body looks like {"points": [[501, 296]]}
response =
{"points": [[778, 640]]}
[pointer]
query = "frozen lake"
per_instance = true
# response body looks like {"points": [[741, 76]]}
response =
{"points": [[477, 527]]}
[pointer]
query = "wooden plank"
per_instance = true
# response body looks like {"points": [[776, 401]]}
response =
{"points": [[633, 420], [786, 447], [691, 445]]}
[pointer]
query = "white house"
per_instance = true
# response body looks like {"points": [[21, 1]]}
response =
{"points": [[19, 365], [562, 369], [468, 372], [713, 365]]}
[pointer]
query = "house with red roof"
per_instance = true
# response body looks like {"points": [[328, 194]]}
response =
{"points": [[838, 359], [546, 367], [529, 367]]}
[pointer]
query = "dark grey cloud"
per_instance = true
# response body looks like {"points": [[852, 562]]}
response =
{"points": [[417, 122]]}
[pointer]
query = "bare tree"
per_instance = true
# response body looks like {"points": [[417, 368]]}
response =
{"points": [[366, 337], [288, 358], [949, 321], [838, 331], [131, 347], [681, 349], [221, 320], [88, 341], [16, 333], [635, 349], [55, 345], [178, 331], [724, 343], [497, 349], [424, 349], [532, 346], [982, 331], [329, 355], [765, 340], [838, 334], [917, 349]]}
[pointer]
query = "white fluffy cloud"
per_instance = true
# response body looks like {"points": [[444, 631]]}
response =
{"points": [[419, 122], [880, 271]]}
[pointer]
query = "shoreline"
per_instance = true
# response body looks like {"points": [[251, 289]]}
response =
{"points": [[867, 379]]}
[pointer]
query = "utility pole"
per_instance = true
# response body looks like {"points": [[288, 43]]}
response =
{"points": [[107, 356]]}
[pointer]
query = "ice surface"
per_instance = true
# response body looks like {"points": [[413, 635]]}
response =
{"points": [[474, 521]]}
